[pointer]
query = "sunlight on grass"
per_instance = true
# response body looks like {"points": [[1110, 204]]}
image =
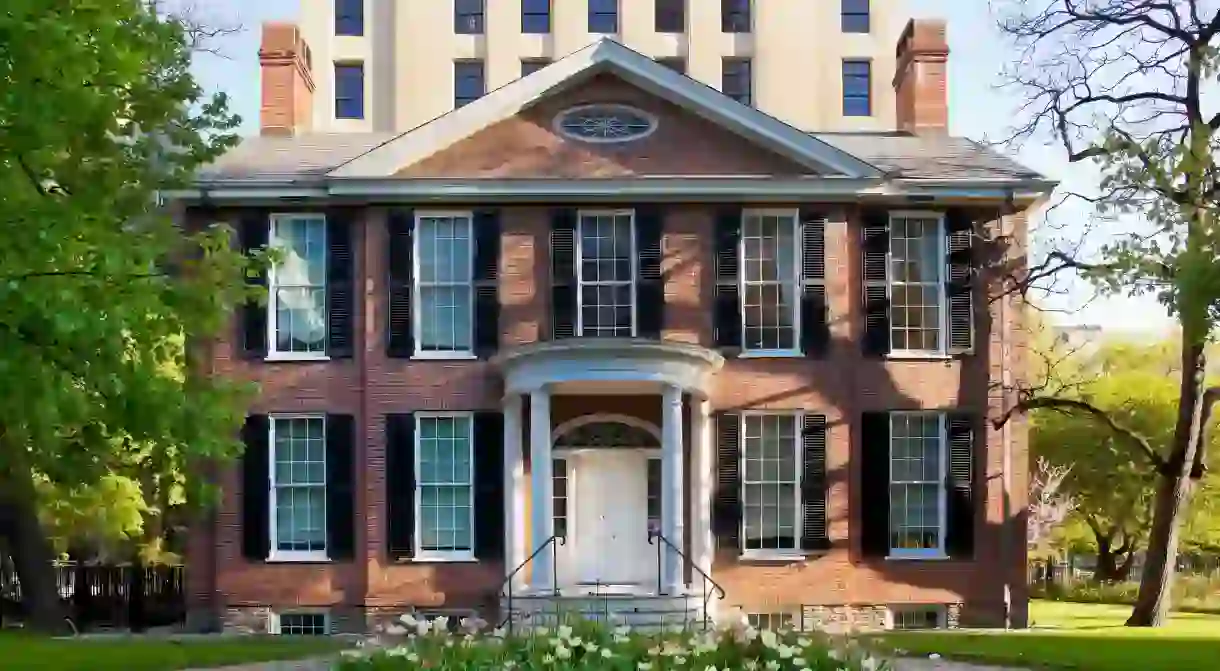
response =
{"points": [[1079, 637], [22, 652]]}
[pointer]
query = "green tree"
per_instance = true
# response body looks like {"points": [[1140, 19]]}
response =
{"points": [[100, 289], [1114, 488], [1116, 84]]}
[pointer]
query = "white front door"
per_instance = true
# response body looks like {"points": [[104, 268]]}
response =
{"points": [[610, 536]]}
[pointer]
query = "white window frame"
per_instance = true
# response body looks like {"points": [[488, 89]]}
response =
{"points": [[580, 281], [272, 323], [433, 555], [797, 282], [938, 552], [274, 553], [941, 297], [417, 285], [276, 626], [773, 553]]}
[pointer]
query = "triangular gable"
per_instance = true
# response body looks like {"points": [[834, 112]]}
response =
{"points": [[606, 55]]}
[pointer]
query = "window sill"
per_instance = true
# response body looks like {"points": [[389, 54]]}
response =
{"points": [[921, 356], [917, 557], [289, 356], [771, 354], [442, 559], [777, 557], [298, 558], [444, 356]]}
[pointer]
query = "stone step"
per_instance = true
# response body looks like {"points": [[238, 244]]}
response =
{"points": [[636, 611]]}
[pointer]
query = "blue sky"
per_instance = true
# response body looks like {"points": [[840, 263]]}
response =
{"points": [[977, 110]]}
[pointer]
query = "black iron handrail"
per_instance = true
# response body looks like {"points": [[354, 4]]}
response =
{"points": [[707, 579], [553, 542]]}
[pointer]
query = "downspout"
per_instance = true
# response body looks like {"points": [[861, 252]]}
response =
{"points": [[1007, 530]]}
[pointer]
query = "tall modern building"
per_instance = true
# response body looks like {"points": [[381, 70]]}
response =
{"points": [[391, 65]]}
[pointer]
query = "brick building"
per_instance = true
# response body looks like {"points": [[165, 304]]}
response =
{"points": [[615, 329]]}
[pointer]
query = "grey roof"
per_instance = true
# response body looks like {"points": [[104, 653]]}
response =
{"points": [[902, 154], [928, 156]]}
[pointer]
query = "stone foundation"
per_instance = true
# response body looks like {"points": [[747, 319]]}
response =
{"points": [[866, 618]]}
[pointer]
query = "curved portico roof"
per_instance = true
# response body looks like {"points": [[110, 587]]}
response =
{"points": [[530, 367]]}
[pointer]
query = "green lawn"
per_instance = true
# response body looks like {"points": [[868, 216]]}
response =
{"points": [[18, 651], [1080, 637]]}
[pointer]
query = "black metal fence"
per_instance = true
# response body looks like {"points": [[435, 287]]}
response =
{"points": [[106, 596]]}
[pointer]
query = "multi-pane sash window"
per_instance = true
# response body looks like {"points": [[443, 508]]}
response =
{"points": [[531, 65], [855, 16], [735, 16], [605, 273], [670, 16], [297, 286], [771, 503], [468, 17], [917, 484], [677, 64], [535, 16], [444, 322], [349, 17], [737, 81], [349, 91], [857, 88], [445, 491], [653, 504], [603, 16], [302, 624], [468, 83], [298, 487], [559, 496], [917, 288], [771, 283]]}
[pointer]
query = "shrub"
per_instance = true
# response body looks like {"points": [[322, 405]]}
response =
{"points": [[1199, 593], [586, 645]]}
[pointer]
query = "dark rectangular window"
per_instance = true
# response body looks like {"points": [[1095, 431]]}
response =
{"points": [[736, 80], [675, 64], [468, 17], [603, 16], [855, 16], [349, 17], [670, 16], [349, 91], [531, 65], [857, 85], [735, 16], [536, 16], [467, 82]]}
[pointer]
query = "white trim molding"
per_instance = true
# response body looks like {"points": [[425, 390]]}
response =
{"points": [[606, 55], [532, 367], [598, 417]]}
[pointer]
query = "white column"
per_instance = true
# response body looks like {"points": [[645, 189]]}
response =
{"points": [[514, 489], [703, 482], [672, 524], [542, 569]]}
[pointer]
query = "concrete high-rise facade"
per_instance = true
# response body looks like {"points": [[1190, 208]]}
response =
{"points": [[391, 65]]}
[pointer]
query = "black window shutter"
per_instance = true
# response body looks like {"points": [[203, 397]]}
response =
{"points": [[340, 486], [340, 283], [814, 535], [815, 327], [875, 484], [401, 248], [726, 504], [959, 292], [489, 486], [962, 428], [486, 282], [875, 245], [563, 274], [400, 484], [649, 286], [256, 488], [727, 309], [253, 232]]}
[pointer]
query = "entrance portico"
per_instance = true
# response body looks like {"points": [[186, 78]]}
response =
{"points": [[611, 502]]}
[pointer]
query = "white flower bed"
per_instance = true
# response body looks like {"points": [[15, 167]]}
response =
{"points": [[585, 645]]}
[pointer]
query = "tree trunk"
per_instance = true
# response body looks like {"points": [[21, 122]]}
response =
{"points": [[31, 554], [1172, 492]]}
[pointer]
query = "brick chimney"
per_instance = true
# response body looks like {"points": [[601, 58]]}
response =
{"points": [[287, 73], [921, 79]]}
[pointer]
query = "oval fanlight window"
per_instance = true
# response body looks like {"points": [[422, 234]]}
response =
{"points": [[605, 123]]}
